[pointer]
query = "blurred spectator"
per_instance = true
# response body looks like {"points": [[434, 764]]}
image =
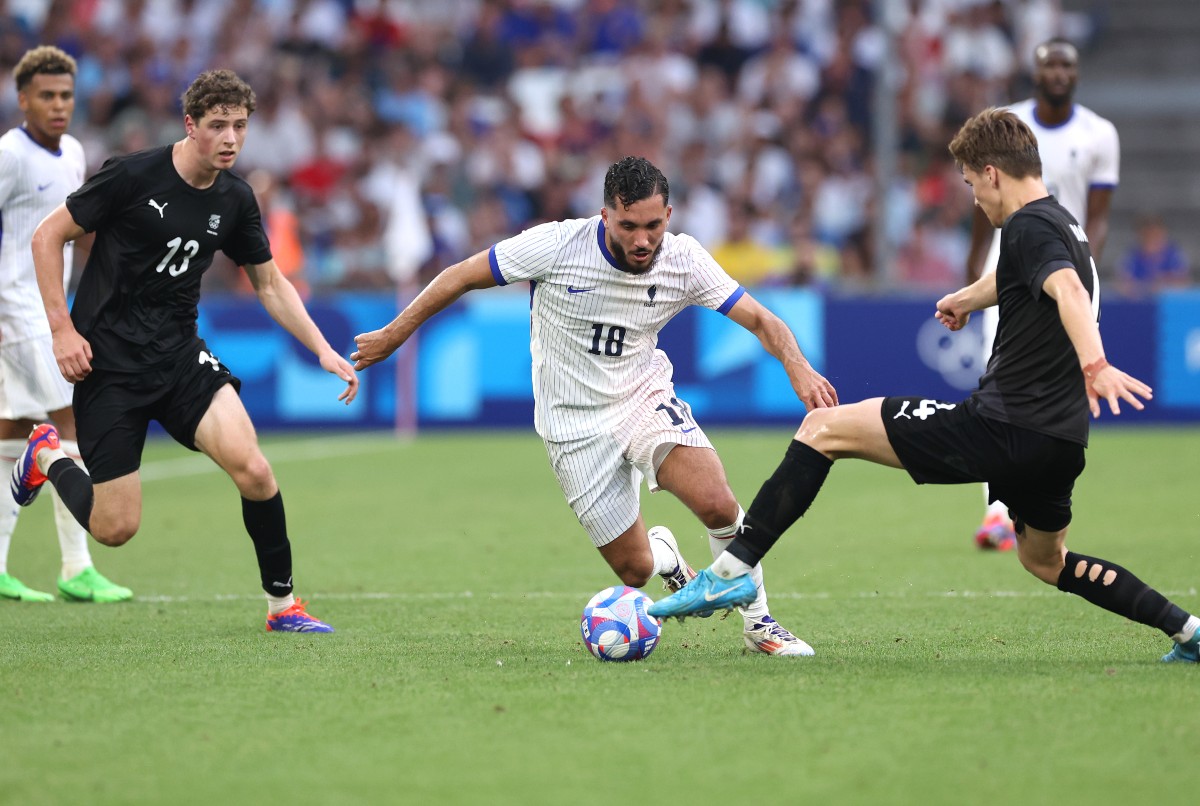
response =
{"points": [[746, 258], [1155, 262]]}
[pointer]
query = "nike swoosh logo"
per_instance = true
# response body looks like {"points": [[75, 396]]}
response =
{"points": [[708, 597], [43, 187], [689, 430], [573, 290]]}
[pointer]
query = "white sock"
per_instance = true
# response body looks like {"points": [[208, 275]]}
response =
{"points": [[72, 538], [10, 449], [1189, 630], [996, 509], [277, 604], [726, 566], [665, 561]]}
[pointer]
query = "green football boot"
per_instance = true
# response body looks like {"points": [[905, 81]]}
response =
{"points": [[90, 585], [13, 588]]}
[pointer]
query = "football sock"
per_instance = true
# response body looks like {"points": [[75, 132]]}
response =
{"points": [[1112, 587], [665, 561], [718, 541], [10, 449], [1188, 631], [277, 604], [74, 488], [996, 509], [781, 501], [267, 527], [72, 538]]}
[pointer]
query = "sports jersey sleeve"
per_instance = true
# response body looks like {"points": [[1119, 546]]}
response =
{"points": [[1107, 168], [527, 256], [104, 194], [1039, 250], [10, 168], [248, 244], [711, 286]]}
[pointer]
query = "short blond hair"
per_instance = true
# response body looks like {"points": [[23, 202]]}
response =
{"points": [[43, 60]]}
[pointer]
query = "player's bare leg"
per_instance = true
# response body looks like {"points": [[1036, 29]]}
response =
{"points": [[638, 554], [227, 436]]}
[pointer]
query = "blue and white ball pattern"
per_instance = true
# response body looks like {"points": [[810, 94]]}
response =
{"points": [[615, 625]]}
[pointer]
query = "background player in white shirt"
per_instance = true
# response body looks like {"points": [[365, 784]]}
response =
{"points": [[1080, 154], [605, 407], [39, 165]]}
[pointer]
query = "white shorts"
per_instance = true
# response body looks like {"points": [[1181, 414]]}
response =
{"points": [[31, 385], [601, 475]]}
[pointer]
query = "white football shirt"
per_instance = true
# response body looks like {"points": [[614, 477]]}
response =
{"points": [[593, 327], [33, 181], [1078, 155]]}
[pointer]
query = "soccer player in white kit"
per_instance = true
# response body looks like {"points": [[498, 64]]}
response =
{"points": [[1080, 154], [605, 407], [39, 165]]}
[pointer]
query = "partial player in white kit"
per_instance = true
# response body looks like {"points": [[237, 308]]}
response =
{"points": [[39, 165], [605, 406], [1080, 154]]}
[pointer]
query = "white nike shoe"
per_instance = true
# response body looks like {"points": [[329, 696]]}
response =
{"points": [[766, 635], [683, 573]]}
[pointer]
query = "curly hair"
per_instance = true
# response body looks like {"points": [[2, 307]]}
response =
{"points": [[633, 179], [42, 60], [215, 89], [1000, 138]]}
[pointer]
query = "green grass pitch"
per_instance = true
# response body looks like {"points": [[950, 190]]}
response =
{"points": [[455, 575]]}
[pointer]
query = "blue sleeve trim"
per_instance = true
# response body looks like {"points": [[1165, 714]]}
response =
{"points": [[496, 267], [1103, 186], [733, 298]]}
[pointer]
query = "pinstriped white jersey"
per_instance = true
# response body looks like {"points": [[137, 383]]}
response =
{"points": [[33, 181], [1078, 155], [594, 328]]}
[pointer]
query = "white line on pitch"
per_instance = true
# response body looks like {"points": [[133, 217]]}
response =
{"points": [[306, 450], [384, 596]]}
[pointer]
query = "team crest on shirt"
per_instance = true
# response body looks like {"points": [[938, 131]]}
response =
{"points": [[214, 221], [651, 292]]}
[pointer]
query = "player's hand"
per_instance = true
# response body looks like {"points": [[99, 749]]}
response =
{"points": [[334, 364], [373, 347], [813, 390], [73, 354], [1114, 385], [952, 313]]}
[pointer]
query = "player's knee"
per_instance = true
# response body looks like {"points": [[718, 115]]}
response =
{"points": [[254, 477], [718, 510], [636, 571], [114, 534], [817, 428]]}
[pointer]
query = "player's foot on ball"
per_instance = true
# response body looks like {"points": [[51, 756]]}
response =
{"points": [[1187, 652], [767, 635], [89, 585], [27, 479], [296, 619], [996, 534], [15, 589], [706, 593]]}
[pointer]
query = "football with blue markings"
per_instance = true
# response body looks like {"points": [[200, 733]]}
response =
{"points": [[615, 625]]}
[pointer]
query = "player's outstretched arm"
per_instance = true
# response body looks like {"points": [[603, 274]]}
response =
{"points": [[954, 310], [778, 340], [71, 350], [280, 298], [1101, 378], [472, 273]]}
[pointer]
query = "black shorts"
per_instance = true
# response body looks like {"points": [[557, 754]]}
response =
{"points": [[113, 410], [948, 443]]}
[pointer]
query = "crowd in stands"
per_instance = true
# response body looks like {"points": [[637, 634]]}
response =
{"points": [[395, 137]]}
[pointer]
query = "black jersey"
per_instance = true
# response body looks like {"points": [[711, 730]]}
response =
{"points": [[1033, 379], [155, 237]]}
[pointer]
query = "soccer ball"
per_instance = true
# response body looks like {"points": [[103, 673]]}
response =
{"points": [[615, 625]]}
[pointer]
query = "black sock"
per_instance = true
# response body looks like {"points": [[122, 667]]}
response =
{"points": [[74, 487], [1112, 587], [781, 501], [267, 527]]}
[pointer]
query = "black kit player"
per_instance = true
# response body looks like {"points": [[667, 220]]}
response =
{"points": [[1023, 431], [130, 343]]}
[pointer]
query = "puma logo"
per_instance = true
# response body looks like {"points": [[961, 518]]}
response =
{"points": [[901, 413], [208, 358], [159, 207]]}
